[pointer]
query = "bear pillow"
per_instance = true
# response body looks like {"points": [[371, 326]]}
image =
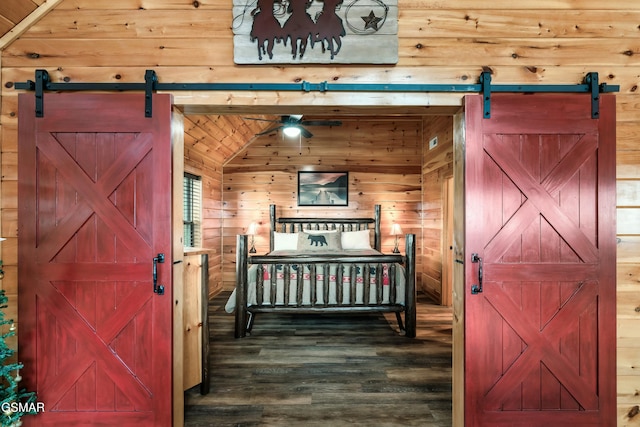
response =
{"points": [[319, 242]]}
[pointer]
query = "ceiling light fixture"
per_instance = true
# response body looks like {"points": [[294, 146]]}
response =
{"points": [[291, 131]]}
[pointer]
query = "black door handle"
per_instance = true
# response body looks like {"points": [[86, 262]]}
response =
{"points": [[158, 289], [477, 288]]}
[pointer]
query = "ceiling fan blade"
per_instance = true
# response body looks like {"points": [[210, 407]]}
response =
{"points": [[305, 132], [264, 132], [321, 123], [261, 120]]}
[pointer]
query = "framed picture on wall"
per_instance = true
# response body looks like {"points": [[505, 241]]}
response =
{"points": [[323, 188]]}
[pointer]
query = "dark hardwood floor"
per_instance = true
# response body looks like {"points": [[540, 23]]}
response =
{"points": [[326, 370]]}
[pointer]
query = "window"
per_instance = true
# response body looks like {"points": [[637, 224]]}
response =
{"points": [[192, 197]]}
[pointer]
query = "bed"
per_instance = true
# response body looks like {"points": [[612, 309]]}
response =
{"points": [[307, 260]]}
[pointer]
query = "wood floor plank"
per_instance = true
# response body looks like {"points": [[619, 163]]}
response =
{"points": [[326, 370]]}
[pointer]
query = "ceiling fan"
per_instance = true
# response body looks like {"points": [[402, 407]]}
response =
{"points": [[293, 125]]}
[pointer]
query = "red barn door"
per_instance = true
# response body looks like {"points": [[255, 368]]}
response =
{"points": [[540, 262], [94, 210]]}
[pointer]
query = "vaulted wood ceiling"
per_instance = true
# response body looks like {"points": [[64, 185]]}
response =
{"points": [[232, 133], [12, 12]]}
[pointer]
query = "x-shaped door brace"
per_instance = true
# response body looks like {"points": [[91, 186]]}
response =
{"points": [[94, 199], [540, 198], [94, 195], [543, 342], [93, 344]]}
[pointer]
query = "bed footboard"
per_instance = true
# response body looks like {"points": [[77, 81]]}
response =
{"points": [[320, 266]]}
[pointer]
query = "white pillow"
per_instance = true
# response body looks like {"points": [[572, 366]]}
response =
{"points": [[285, 241], [356, 239]]}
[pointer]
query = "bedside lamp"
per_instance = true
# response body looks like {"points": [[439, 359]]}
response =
{"points": [[396, 231], [252, 231]]}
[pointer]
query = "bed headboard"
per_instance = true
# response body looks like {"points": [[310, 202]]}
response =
{"points": [[293, 225]]}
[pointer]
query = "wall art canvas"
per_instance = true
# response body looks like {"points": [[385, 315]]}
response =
{"points": [[314, 31], [323, 188]]}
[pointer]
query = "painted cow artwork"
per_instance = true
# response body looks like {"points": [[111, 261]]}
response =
{"points": [[315, 31]]}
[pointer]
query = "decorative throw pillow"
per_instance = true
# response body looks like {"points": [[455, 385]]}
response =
{"points": [[285, 241], [320, 242], [356, 239]]}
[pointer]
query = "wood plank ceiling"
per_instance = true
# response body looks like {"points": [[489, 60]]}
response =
{"points": [[14, 11], [233, 133]]}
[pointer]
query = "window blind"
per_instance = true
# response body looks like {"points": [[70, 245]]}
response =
{"points": [[192, 199]]}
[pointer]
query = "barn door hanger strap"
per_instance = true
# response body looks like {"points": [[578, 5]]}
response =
{"points": [[43, 83], [590, 85], [150, 80]]}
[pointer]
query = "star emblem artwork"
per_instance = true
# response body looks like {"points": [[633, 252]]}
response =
{"points": [[371, 21], [315, 31]]}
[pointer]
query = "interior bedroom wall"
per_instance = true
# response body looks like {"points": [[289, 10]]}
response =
{"points": [[208, 166], [208, 142], [383, 158], [437, 165]]}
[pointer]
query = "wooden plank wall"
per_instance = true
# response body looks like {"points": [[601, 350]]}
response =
{"points": [[383, 160], [209, 141], [529, 41], [437, 165]]}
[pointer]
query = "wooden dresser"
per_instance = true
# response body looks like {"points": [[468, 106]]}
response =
{"points": [[195, 319]]}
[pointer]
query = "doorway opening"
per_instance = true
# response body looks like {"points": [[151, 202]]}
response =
{"points": [[272, 160]]}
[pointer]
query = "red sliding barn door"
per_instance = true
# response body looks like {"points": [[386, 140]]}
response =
{"points": [[540, 342], [94, 210]]}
